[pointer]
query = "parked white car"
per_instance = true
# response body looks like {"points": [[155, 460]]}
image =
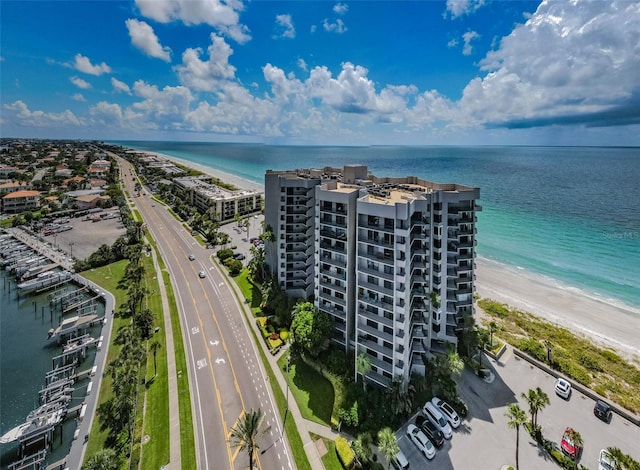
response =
{"points": [[421, 441], [605, 462], [447, 411], [563, 388], [433, 414]]}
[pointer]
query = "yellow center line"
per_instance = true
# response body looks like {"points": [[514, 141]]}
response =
{"points": [[215, 384]]}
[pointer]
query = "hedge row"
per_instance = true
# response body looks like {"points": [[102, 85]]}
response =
{"points": [[344, 451]]}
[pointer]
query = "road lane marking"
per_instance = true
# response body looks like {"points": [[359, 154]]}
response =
{"points": [[202, 363], [195, 330]]}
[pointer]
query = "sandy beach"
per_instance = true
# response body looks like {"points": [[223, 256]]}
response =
{"points": [[609, 325]]}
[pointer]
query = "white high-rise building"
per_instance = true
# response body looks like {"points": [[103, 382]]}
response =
{"points": [[390, 259]]}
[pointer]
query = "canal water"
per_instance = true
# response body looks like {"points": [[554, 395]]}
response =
{"points": [[25, 357]]}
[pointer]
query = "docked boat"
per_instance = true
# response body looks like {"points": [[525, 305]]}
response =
{"points": [[45, 279]]}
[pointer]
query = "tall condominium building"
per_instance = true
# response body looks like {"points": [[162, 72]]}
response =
{"points": [[390, 259]]}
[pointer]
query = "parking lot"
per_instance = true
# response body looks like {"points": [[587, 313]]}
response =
{"points": [[87, 236], [485, 441]]}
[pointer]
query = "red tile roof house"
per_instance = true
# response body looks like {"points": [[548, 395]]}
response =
{"points": [[19, 201], [12, 186]]}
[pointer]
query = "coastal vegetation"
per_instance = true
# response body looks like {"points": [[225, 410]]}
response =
{"points": [[598, 368]]}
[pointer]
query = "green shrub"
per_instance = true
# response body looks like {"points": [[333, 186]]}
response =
{"points": [[533, 348], [345, 454], [225, 254], [284, 334]]}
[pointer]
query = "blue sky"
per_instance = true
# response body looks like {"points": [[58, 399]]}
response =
{"points": [[479, 72]]}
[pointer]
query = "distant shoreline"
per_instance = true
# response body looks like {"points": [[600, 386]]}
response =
{"points": [[607, 324]]}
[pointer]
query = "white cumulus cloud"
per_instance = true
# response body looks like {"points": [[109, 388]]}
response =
{"points": [[120, 86], [338, 27], [458, 8], [467, 37], [144, 38], [222, 15], [84, 65], [340, 8], [27, 117], [78, 97], [284, 27], [80, 83], [206, 75]]}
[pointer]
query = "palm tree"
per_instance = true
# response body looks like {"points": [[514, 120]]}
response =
{"points": [[621, 460], [536, 400], [576, 437], [387, 445], [153, 347], [246, 433], [363, 367], [517, 417]]}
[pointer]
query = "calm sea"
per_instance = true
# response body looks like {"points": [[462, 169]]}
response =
{"points": [[571, 214]]}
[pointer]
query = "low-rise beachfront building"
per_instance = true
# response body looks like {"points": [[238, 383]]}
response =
{"points": [[19, 201], [199, 192], [391, 260]]}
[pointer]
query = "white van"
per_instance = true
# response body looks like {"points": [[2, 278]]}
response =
{"points": [[400, 462], [433, 414]]}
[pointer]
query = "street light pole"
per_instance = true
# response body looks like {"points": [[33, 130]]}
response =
{"points": [[71, 248]]}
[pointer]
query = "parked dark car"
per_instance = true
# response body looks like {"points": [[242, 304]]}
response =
{"points": [[239, 256], [603, 411], [431, 431]]}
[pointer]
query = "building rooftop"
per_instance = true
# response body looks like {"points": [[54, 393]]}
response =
{"points": [[19, 194]]}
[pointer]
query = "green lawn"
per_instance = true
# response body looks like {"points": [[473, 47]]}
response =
{"points": [[330, 459], [250, 291], [313, 393], [106, 277]]}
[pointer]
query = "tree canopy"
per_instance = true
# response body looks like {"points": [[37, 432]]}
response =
{"points": [[310, 328]]}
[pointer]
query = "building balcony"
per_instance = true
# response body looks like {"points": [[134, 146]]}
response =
{"points": [[327, 258], [363, 328], [332, 274], [375, 302], [363, 268], [366, 343], [418, 347], [376, 256], [330, 222], [375, 288], [376, 241], [337, 247], [331, 310], [366, 314]]}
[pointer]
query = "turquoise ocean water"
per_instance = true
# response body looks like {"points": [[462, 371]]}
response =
{"points": [[570, 214]]}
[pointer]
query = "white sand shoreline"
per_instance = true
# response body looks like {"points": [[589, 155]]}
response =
{"points": [[607, 324]]}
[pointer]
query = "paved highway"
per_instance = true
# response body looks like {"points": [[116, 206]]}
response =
{"points": [[225, 374]]}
